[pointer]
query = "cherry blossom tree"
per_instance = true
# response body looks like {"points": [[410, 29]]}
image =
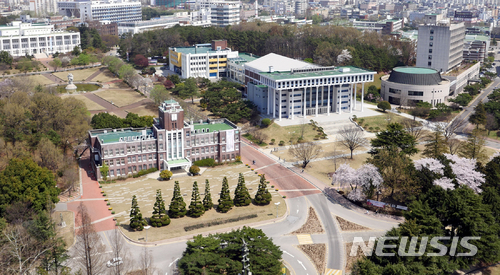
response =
{"points": [[368, 175], [344, 57], [344, 175], [432, 164], [445, 183], [356, 195]]}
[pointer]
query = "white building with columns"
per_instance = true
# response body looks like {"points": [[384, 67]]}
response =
{"points": [[19, 39], [290, 88]]}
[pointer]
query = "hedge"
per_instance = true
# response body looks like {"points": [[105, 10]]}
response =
{"points": [[218, 222], [205, 162], [144, 172]]}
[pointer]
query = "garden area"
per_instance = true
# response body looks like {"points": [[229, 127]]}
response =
{"points": [[120, 98], [119, 196]]}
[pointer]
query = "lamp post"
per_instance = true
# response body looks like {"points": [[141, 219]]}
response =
{"points": [[277, 204], [378, 193], [147, 227]]}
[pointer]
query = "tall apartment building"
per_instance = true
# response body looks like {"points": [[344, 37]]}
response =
{"points": [[109, 10], [223, 13], [19, 39], [171, 143], [440, 45], [201, 60]]}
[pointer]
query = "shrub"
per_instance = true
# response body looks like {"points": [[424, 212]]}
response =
{"points": [[273, 141], [272, 186], [194, 169], [205, 162], [166, 175], [108, 204], [384, 105], [104, 195], [371, 129], [284, 197], [218, 222], [282, 143], [144, 172], [238, 158], [266, 122], [113, 212]]}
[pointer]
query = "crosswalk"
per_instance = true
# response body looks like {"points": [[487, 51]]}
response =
{"points": [[329, 271], [304, 239]]}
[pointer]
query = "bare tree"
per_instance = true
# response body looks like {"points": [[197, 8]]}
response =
{"points": [[413, 128], [258, 136], [305, 151], [451, 129], [352, 138], [336, 153], [21, 251], [120, 251], [88, 246], [303, 125], [147, 262], [454, 145]]}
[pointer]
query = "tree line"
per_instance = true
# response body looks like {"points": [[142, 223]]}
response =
{"points": [[323, 44], [177, 208]]}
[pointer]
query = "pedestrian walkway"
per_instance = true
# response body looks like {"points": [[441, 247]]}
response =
{"points": [[304, 239], [95, 74]]}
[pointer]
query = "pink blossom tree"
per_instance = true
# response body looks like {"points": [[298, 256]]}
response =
{"points": [[344, 175], [432, 164], [368, 175], [356, 195]]}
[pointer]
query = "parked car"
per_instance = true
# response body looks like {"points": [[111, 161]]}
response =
{"points": [[114, 262]]}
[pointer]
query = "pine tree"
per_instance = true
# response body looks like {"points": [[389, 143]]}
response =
{"points": [[177, 206], [241, 195], [225, 202], [136, 220], [159, 217], [196, 208], [436, 145], [263, 197], [207, 201]]}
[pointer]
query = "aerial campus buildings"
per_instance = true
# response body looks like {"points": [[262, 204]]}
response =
{"points": [[281, 87], [171, 143]]}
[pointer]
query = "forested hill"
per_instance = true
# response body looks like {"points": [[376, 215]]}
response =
{"points": [[321, 43]]}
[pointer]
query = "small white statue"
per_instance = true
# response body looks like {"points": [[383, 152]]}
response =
{"points": [[70, 78]]}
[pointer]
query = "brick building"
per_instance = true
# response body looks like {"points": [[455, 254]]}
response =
{"points": [[171, 143], [104, 27]]}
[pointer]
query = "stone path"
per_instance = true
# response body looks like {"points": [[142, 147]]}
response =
{"points": [[95, 74], [54, 78]]}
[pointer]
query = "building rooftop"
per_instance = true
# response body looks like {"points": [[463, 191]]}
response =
{"points": [[197, 49], [334, 72], [279, 63], [415, 76], [213, 127], [177, 161], [244, 58], [479, 37], [112, 137]]}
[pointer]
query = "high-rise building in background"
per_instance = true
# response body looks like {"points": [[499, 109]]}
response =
{"points": [[109, 10], [440, 43]]}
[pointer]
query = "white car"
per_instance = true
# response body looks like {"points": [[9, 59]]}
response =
{"points": [[114, 262]]}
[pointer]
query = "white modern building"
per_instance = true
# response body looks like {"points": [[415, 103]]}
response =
{"points": [[408, 86], [283, 87], [19, 39], [201, 60], [440, 44], [223, 13], [43, 7], [147, 25], [110, 10]]}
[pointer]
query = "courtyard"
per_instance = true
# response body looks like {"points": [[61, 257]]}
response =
{"points": [[120, 194]]}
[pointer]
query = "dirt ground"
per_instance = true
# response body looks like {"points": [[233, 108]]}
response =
{"points": [[327, 149], [40, 79], [312, 225], [317, 253], [148, 109], [66, 233], [120, 197], [289, 132], [118, 85], [105, 76], [346, 225], [78, 75], [350, 260], [91, 105], [120, 98]]}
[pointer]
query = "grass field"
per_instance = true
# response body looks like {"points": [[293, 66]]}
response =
{"points": [[120, 197], [382, 120], [105, 76], [148, 109], [91, 105], [40, 79], [118, 85], [120, 97], [66, 233], [288, 132], [327, 149], [78, 75]]}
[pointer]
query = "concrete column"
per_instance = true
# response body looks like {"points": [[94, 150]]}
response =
{"points": [[350, 97], [362, 95], [291, 115], [304, 103], [274, 103], [339, 93], [268, 93], [328, 102], [279, 106], [355, 94], [317, 91]]}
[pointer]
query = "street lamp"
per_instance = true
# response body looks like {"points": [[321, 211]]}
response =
{"points": [[378, 193], [277, 204], [147, 227]]}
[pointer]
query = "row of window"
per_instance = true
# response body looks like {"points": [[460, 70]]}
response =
{"points": [[130, 170], [132, 159], [321, 81], [130, 149]]}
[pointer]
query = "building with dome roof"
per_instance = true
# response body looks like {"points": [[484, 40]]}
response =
{"points": [[409, 85]]}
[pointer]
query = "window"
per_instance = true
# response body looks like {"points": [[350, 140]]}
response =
{"points": [[105, 152], [111, 163], [128, 150], [149, 147], [133, 159], [161, 146], [212, 149], [123, 163], [431, 38], [130, 169], [117, 151], [430, 50], [430, 57], [206, 140], [133, 149], [394, 91], [429, 63], [188, 153], [160, 136], [432, 31], [197, 151], [223, 139], [224, 148], [430, 44], [129, 160], [188, 143], [416, 93], [123, 171], [122, 151], [150, 156]]}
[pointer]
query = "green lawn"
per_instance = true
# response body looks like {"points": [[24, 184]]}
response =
{"points": [[382, 120], [274, 131], [493, 134]]}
